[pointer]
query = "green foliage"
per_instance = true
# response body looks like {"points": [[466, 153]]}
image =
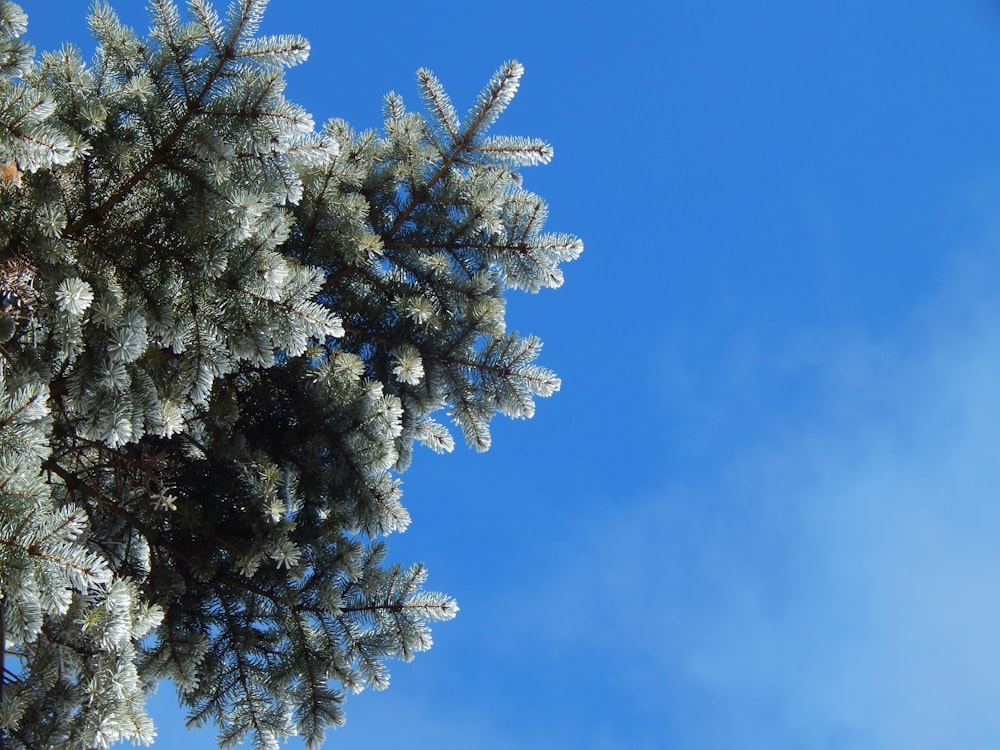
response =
{"points": [[221, 332]]}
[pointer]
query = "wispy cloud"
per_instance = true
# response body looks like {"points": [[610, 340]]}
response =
{"points": [[838, 585]]}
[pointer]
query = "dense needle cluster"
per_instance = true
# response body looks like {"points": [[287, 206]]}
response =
{"points": [[221, 332]]}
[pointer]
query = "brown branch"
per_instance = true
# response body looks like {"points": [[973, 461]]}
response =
{"points": [[74, 482]]}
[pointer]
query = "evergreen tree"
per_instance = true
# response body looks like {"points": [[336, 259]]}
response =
{"points": [[221, 333]]}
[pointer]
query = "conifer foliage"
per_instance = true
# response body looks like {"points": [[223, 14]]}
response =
{"points": [[221, 332]]}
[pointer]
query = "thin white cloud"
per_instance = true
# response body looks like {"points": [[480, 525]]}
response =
{"points": [[837, 586]]}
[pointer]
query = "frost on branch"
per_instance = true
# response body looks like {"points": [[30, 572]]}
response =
{"points": [[222, 331]]}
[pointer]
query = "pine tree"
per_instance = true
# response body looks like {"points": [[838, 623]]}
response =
{"points": [[221, 332]]}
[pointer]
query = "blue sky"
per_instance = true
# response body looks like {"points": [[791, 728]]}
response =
{"points": [[762, 512]]}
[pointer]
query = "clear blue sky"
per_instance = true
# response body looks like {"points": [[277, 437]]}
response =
{"points": [[763, 512]]}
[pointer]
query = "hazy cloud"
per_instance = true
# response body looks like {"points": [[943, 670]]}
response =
{"points": [[837, 586]]}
